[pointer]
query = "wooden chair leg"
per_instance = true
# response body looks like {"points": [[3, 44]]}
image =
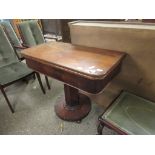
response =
{"points": [[40, 82], [47, 82], [7, 100]]}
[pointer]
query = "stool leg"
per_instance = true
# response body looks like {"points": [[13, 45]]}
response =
{"points": [[40, 82], [7, 100], [47, 82], [100, 128]]}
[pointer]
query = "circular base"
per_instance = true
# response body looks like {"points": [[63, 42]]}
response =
{"points": [[73, 113]]}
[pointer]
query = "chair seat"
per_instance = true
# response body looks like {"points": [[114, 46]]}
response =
{"points": [[132, 114], [13, 72]]}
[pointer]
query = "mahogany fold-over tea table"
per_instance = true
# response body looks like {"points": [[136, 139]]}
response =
{"points": [[84, 68]]}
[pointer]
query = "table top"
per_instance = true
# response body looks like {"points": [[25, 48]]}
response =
{"points": [[90, 62]]}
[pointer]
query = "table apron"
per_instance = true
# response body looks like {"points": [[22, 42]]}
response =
{"points": [[73, 79]]}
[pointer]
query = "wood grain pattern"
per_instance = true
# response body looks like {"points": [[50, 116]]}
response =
{"points": [[90, 62], [88, 69]]}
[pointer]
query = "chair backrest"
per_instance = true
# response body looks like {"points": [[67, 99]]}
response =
{"points": [[31, 33], [7, 54], [11, 33]]}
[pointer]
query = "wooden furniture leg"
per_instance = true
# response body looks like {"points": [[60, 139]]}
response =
{"points": [[100, 128], [47, 82], [74, 107], [40, 82], [7, 100]]}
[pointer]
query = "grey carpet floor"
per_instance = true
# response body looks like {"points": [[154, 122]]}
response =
{"points": [[34, 112]]}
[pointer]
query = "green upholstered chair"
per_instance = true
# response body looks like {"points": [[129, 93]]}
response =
{"points": [[129, 114], [11, 69], [17, 44], [32, 35], [13, 38]]}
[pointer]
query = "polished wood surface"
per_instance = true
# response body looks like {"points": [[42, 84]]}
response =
{"points": [[88, 69], [90, 62]]}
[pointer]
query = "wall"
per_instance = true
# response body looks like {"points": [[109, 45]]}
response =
{"points": [[137, 75]]}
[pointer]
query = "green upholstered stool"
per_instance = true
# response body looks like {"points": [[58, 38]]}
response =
{"points": [[129, 114], [11, 70], [13, 38]]}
